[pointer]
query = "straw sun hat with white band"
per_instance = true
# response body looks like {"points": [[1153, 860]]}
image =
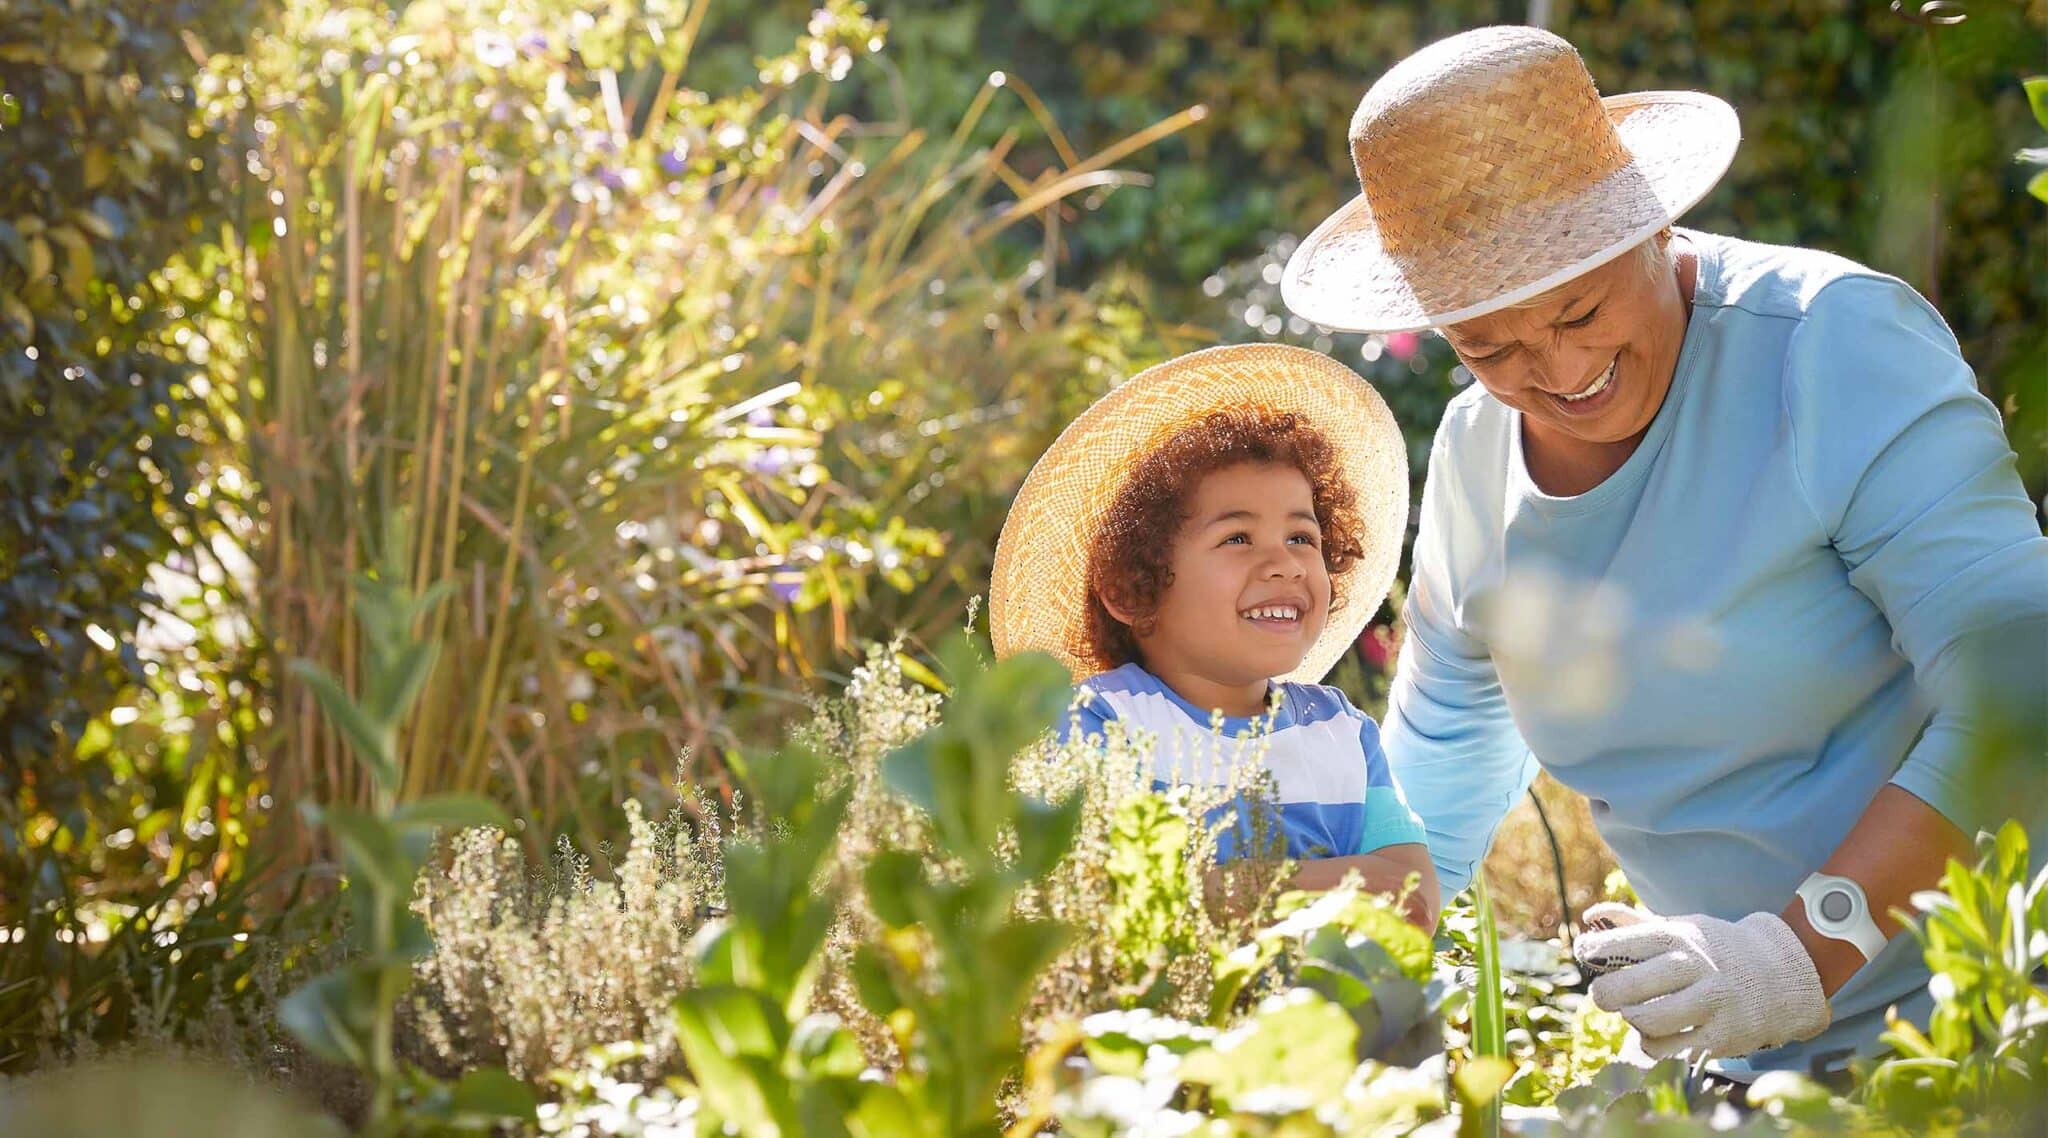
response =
{"points": [[1492, 171], [1039, 591]]}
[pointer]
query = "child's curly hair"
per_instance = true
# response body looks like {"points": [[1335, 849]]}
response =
{"points": [[1130, 558]]}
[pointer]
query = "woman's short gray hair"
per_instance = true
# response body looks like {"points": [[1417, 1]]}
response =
{"points": [[1652, 257]]}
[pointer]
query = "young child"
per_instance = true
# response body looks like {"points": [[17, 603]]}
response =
{"points": [[1208, 539]]}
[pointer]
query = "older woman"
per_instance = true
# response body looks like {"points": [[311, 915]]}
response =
{"points": [[1713, 540]]}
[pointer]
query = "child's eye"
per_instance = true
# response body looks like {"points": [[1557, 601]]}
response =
{"points": [[1306, 537], [1237, 537]]}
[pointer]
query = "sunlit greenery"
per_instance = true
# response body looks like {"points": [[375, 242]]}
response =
{"points": [[493, 505]]}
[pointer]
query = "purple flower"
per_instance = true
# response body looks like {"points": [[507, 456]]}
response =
{"points": [[533, 43], [761, 417], [786, 587], [675, 161], [772, 461], [611, 177]]}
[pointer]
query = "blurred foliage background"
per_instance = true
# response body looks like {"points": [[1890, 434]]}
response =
{"points": [[699, 344]]}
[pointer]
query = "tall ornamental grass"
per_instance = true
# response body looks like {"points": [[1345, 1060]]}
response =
{"points": [[661, 380]]}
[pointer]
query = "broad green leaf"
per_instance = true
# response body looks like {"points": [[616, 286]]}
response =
{"points": [[2037, 98], [907, 771], [892, 877], [741, 1021], [493, 1094], [886, 1112], [372, 742], [370, 848], [334, 1015], [824, 1048], [1297, 1040], [744, 1088], [1478, 1080], [874, 982], [1045, 835]]}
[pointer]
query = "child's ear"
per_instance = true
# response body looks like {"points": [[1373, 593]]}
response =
{"points": [[1114, 606]]}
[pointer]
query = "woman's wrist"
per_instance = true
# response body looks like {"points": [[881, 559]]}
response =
{"points": [[1835, 960]]}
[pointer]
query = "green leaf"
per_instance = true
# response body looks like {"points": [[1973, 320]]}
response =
{"points": [[1045, 834], [824, 1048], [746, 1089], [886, 1112], [410, 941], [1480, 1079], [908, 772], [893, 878], [453, 811], [914, 669], [1297, 1040], [372, 742], [493, 1094], [740, 1021], [334, 1015], [369, 847], [2037, 98], [874, 982], [2038, 185]]}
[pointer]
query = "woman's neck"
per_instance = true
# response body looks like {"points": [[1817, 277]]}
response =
{"points": [[1565, 467]]}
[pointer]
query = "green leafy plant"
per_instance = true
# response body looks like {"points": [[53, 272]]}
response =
{"points": [[954, 969], [2037, 99], [1341, 1032], [347, 1015], [1984, 1057]]}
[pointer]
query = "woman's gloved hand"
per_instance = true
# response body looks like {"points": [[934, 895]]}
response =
{"points": [[1701, 984]]}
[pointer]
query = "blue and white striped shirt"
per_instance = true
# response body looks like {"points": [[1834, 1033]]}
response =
{"points": [[1334, 793]]}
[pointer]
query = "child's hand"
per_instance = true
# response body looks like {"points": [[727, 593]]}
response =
{"points": [[1384, 870]]}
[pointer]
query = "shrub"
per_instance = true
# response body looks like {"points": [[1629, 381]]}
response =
{"points": [[530, 971]]}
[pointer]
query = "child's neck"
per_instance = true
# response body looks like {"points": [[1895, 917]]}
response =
{"points": [[1237, 700]]}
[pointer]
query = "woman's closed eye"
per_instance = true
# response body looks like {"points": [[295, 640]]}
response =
{"points": [[1582, 321]]}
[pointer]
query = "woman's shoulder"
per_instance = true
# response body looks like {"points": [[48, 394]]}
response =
{"points": [[1783, 282]]}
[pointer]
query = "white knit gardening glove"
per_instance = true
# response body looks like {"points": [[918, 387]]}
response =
{"points": [[1701, 984]]}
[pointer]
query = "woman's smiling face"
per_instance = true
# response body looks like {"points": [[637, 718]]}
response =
{"points": [[1589, 361]]}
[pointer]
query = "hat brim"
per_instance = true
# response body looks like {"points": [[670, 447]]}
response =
{"points": [[1343, 277], [1039, 589]]}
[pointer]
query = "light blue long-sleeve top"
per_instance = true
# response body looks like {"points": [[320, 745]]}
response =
{"points": [[1734, 641]]}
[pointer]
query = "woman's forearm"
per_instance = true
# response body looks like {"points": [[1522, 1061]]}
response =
{"points": [[1896, 849]]}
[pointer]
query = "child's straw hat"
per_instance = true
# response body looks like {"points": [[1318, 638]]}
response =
{"points": [[1492, 171], [1038, 595]]}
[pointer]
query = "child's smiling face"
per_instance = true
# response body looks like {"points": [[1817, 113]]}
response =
{"points": [[1249, 591]]}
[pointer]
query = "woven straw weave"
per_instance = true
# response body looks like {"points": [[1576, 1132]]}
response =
{"points": [[1490, 171], [1039, 589]]}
